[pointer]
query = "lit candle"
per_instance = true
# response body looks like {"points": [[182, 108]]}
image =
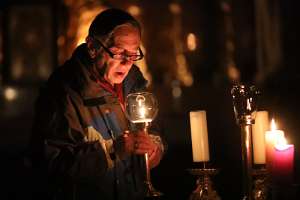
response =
{"points": [[272, 138], [283, 163], [258, 136], [199, 136]]}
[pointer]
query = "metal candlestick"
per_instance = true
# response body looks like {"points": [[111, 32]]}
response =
{"points": [[150, 190], [142, 108], [204, 189], [244, 104]]}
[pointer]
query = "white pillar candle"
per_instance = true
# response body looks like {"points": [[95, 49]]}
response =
{"points": [[199, 136], [259, 129]]}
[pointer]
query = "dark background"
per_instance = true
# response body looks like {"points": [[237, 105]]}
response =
{"points": [[35, 39]]}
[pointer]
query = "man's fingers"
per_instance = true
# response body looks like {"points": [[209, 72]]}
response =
{"points": [[142, 148]]}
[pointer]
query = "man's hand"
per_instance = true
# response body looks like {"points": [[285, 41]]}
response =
{"points": [[145, 144], [139, 143], [124, 145]]}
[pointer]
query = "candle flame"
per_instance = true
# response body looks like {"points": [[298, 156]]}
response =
{"points": [[140, 103], [273, 125], [142, 111], [141, 106]]}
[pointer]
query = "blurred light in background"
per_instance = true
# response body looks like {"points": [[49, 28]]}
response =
{"points": [[43, 71], [233, 73], [175, 8], [191, 42], [134, 10], [176, 89], [10, 93], [183, 74], [17, 70]]}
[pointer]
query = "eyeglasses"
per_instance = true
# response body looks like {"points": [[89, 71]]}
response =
{"points": [[121, 56]]}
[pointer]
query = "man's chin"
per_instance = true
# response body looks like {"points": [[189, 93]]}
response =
{"points": [[119, 80]]}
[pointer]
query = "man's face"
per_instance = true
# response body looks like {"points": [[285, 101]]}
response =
{"points": [[126, 41]]}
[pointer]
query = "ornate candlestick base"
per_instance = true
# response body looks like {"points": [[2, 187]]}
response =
{"points": [[260, 179], [204, 189], [151, 191]]}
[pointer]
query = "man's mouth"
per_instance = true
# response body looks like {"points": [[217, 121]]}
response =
{"points": [[120, 73]]}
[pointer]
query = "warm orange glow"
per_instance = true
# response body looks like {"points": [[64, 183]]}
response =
{"points": [[85, 19]]}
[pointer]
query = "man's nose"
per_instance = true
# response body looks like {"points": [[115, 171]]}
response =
{"points": [[126, 61]]}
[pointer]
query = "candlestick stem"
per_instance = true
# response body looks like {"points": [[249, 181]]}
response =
{"points": [[150, 190], [141, 108], [245, 106], [247, 158]]}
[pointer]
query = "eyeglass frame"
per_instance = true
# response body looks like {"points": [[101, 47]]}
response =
{"points": [[123, 56]]}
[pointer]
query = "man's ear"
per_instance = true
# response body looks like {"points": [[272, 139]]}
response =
{"points": [[89, 42], [93, 43], [91, 49]]}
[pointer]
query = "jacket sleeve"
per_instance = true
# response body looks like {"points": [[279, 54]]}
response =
{"points": [[58, 139]]}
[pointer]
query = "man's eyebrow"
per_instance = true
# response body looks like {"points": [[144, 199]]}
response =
{"points": [[130, 51]]}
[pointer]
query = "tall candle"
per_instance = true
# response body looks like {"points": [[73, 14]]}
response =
{"points": [[283, 164], [272, 137], [199, 136], [259, 129]]}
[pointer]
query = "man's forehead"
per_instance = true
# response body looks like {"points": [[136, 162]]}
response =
{"points": [[127, 35], [126, 30]]}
